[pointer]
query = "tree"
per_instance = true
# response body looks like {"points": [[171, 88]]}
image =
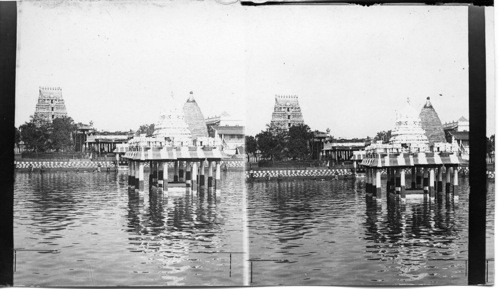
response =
{"points": [[147, 129], [62, 129], [17, 136], [384, 136], [35, 135], [272, 142], [299, 138], [490, 145], [250, 146]]}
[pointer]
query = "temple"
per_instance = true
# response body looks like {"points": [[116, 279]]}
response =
{"points": [[408, 132], [172, 127], [194, 118], [50, 104], [286, 112], [432, 124]]}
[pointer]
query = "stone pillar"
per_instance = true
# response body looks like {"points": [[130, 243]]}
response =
{"points": [[160, 174], [181, 171], [141, 176], [117, 160], [202, 173], [217, 173], [426, 180], [154, 173], [188, 174], [388, 182], [378, 184], [165, 176], [455, 180], [194, 171], [419, 178], [403, 182], [136, 175], [129, 173], [397, 183], [176, 171], [431, 183], [448, 180], [367, 181], [413, 178], [210, 173], [440, 180]]}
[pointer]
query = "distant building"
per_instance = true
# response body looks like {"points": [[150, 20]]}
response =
{"points": [[341, 150], [224, 119], [103, 143], [50, 104], [286, 112], [462, 124], [81, 135], [318, 143], [230, 138], [432, 124]]}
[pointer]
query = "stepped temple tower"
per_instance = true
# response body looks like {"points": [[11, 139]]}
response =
{"points": [[432, 124], [287, 111], [408, 131], [50, 104], [194, 118]]}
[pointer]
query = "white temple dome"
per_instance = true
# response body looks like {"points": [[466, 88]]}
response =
{"points": [[172, 126], [408, 131]]}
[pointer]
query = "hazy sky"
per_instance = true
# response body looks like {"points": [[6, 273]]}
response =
{"points": [[351, 66]]}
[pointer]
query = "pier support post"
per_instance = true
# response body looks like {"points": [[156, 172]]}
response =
{"points": [[161, 169], [217, 173], [413, 178], [165, 177], [188, 174], [181, 171], [431, 183], [210, 173], [154, 172], [393, 179], [194, 173], [426, 180], [455, 180], [136, 176], [378, 184], [129, 173], [448, 180], [388, 180], [367, 181], [202, 174], [403, 182], [440, 180], [418, 178], [397, 183], [141, 176], [176, 171]]}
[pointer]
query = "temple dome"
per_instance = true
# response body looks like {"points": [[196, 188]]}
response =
{"points": [[432, 124], [408, 131], [172, 126], [194, 118]]}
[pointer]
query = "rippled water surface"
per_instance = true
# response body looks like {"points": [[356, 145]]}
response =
{"points": [[105, 235], [306, 232]]}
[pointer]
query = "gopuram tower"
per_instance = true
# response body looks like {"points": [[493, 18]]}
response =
{"points": [[50, 104], [286, 112]]}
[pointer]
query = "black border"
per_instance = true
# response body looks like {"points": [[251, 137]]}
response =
{"points": [[477, 116], [477, 143], [8, 33]]}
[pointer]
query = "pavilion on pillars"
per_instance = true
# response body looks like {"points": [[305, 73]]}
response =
{"points": [[427, 172], [408, 151], [192, 167]]}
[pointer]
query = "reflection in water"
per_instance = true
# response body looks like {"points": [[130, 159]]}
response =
{"points": [[320, 225], [109, 236]]}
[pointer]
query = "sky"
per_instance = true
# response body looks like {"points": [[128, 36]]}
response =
{"points": [[351, 66]]}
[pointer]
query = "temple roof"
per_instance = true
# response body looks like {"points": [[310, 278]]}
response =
{"points": [[431, 123], [460, 135], [230, 130], [194, 118], [287, 100], [462, 119]]}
